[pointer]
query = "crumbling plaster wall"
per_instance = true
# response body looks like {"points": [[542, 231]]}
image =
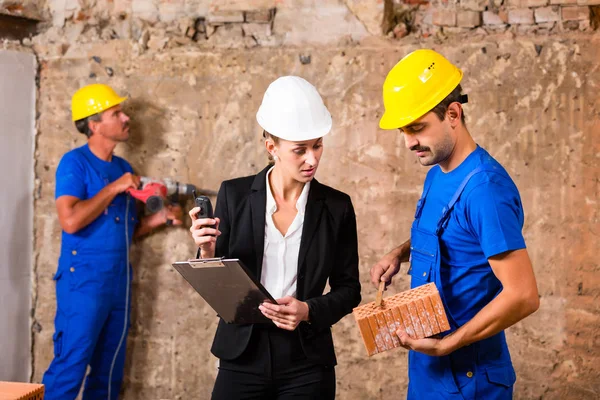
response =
{"points": [[533, 105]]}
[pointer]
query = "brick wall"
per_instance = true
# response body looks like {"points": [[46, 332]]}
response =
{"points": [[272, 23], [521, 16]]}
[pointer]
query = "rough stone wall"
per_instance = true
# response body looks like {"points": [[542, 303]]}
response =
{"points": [[195, 82]]}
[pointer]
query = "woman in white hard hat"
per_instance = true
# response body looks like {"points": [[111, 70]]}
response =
{"points": [[294, 234]]}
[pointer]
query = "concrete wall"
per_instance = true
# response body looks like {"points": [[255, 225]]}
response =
{"points": [[193, 98], [17, 133]]}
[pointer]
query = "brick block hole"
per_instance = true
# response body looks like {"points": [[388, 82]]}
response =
{"points": [[595, 17], [399, 17]]}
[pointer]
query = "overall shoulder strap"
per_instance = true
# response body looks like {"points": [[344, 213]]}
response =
{"points": [[442, 222], [427, 185]]}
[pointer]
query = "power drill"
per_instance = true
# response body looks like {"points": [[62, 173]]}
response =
{"points": [[154, 192]]}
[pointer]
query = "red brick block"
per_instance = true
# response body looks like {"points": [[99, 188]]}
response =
{"points": [[521, 16], [444, 18], [419, 312], [468, 19], [576, 13], [588, 2], [561, 2]]}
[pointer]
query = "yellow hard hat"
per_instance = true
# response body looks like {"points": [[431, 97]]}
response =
{"points": [[92, 99], [418, 83]]}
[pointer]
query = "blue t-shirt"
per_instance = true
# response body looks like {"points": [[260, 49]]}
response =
{"points": [[487, 219], [81, 174]]}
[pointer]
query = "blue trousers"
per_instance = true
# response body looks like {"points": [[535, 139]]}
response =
{"points": [[480, 371], [92, 318]]}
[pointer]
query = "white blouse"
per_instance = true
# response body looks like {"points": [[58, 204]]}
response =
{"points": [[280, 261]]}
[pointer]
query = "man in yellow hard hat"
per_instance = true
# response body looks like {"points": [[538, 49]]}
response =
{"points": [[99, 220], [466, 237]]}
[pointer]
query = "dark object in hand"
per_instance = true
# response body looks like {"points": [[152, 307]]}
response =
{"points": [[206, 209]]}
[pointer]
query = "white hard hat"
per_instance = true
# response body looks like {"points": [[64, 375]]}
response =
{"points": [[292, 109]]}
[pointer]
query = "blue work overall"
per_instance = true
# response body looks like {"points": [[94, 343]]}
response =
{"points": [[92, 314], [482, 370]]}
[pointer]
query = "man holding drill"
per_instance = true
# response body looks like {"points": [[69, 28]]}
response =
{"points": [[466, 237], [99, 221]]}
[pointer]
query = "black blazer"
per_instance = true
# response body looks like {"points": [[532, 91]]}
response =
{"points": [[328, 250]]}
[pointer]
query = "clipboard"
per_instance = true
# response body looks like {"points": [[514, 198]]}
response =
{"points": [[228, 287]]}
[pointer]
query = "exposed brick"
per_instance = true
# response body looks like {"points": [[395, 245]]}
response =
{"points": [[444, 18], [256, 30], [547, 14], [259, 16], [121, 6], [510, 4], [492, 18], [453, 30], [588, 2], [497, 28], [520, 16], [576, 13], [239, 5], [171, 11], [571, 25], [423, 17], [563, 1], [584, 25], [473, 5], [222, 17], [468, 19], [545, 26], [533, 3], [526, 29], [145, 10]]}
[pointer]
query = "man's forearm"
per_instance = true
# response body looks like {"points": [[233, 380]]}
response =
{"points": [[402, 252], [84, 212], [504, 311], [147, 224], [518, 298], [143, 228]]}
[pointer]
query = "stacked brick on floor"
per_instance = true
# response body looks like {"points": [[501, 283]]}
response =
{"points": [[419, 312], [21, 391]]}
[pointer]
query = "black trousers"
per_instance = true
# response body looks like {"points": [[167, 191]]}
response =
{"points": [[273, 367]]}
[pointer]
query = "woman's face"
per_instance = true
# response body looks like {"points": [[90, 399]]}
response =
{"points": [[299, 160]]}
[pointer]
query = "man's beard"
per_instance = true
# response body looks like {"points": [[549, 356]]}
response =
{"points": [[439, 153]]}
